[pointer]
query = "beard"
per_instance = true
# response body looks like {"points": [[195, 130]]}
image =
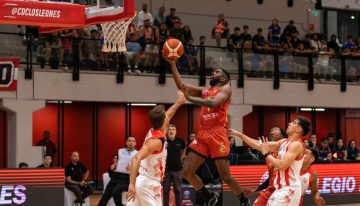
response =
{"points": [[214, 82]]}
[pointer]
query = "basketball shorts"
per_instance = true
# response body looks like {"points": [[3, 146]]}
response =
{"points": [[264, 197], [212, 142], [285, 196], [148, 192]]}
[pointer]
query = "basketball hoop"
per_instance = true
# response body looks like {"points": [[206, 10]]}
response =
{"points": [[115, 34]]}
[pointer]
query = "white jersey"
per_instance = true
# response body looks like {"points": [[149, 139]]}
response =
{"points": [[291, 176], [153, 166], [125, 158]]}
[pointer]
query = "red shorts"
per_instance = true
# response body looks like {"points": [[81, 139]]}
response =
{"points": [[212, 142], [264, 197]]}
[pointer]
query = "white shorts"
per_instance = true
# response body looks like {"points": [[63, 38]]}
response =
{"points": [[148, 192], [286, 196]]}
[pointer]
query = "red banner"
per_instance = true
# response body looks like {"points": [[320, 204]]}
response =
{"points": [[41, 13], [332, 178], [9, 74]]}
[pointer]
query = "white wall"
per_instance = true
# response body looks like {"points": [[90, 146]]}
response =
{"points": [[202, 14]]}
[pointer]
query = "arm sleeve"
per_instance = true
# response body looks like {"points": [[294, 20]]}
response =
{"points": [[264, 185]]}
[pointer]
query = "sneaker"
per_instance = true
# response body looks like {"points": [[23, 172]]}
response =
{"points": [[129, 71], [214, 198], [245, 202], [137, 71]]}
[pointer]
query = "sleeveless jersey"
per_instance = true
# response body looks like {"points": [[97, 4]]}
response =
{"points": [[153, 166], [290, 176], [214, 116], [305, 177], [272, 171]]}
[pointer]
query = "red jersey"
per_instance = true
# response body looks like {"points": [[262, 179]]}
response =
{"points": [[214, 116]]}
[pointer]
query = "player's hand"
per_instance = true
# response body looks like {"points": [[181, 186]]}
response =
{"points": [[319, 200], [82, 183], [171, 62], [181, 97], [264, 145], [131, 194]]}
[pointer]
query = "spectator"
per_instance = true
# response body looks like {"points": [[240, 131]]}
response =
{"points": [[220, 30], [315, 42], [295, 41], [66, 52], [120, 179], [340, 152], [306, 143], [331, 140], [133, 51], [113, 165], [245, 36], [334, 44], [290, 28], [273, 41], [324, 149], [321, 67], [349, 44], [47, 162], [146, 34], [177, 32], [92, 51], [187, 34], [313, 141], [275, 28], [162, 34], [234, 41], [192, 137], [352, 151], [160, 17], [258, 40], [151, 56], [143, 15], [191, 52], [202, 40], [176, 154], [49, 147], [76, 178], [232, 155], [171, 18], [23, 165], [51, 52]]}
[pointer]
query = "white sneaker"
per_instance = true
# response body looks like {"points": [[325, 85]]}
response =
{"points": [[129, 71], [137, 71]]}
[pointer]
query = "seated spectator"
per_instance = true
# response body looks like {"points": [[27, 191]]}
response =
{"points": [[295, 41], [274, 28], [331, 139], [133, 53], [23, 165], [245, 37], [151, 57], [146, 34], [177, 32], [352, 150], [273, 41], [92, 51], [113, 165], [76, 175], [290, 28], [323, 149], [321, 67], [187, 34], [315, 42], [234, 41], [258, 40], [191, 52], [313, 141], [349, 44], [340, 152], [192, 137], [329, 158], [162, 34], [334, 44], [220, 30], [66, 53], [172, 18], [160, 17], [47, 162], [143, 15], [120, 179]]}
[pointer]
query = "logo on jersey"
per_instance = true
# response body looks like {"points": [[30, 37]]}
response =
{"points": [[210, 116], [222, 148]]}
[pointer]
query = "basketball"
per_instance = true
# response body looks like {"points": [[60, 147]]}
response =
{"points": [[173, 49]]}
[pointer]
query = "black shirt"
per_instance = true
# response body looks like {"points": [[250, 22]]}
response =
{"points": [[245, 37], [43, 166], [75, 171], [174, 149]]}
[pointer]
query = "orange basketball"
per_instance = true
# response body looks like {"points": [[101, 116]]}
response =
{"points": [[173, 49]]}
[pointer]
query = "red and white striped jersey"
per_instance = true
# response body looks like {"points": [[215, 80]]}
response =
{"points": [[305, 177], [291, 175], [153, 166]]}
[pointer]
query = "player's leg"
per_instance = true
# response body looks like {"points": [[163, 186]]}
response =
{"points": [[223, 167], [191, 164]]}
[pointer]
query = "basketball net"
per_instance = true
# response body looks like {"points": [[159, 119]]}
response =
{"points": [[115, 35]]}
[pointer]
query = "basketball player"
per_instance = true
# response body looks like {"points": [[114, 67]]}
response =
{"points": [[309, 178], [149, 162], [212, 137], [268, 185], [288, 162]]}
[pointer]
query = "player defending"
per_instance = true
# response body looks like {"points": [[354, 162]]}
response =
{"points": [[149, 162], [309, 178], [212, 137], [288, 163]]}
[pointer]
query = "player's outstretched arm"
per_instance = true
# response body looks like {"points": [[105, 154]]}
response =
{"points": [[180, 100], [192, 90], [315, 191], [223, 95], [273, 146], [151, 146]]}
